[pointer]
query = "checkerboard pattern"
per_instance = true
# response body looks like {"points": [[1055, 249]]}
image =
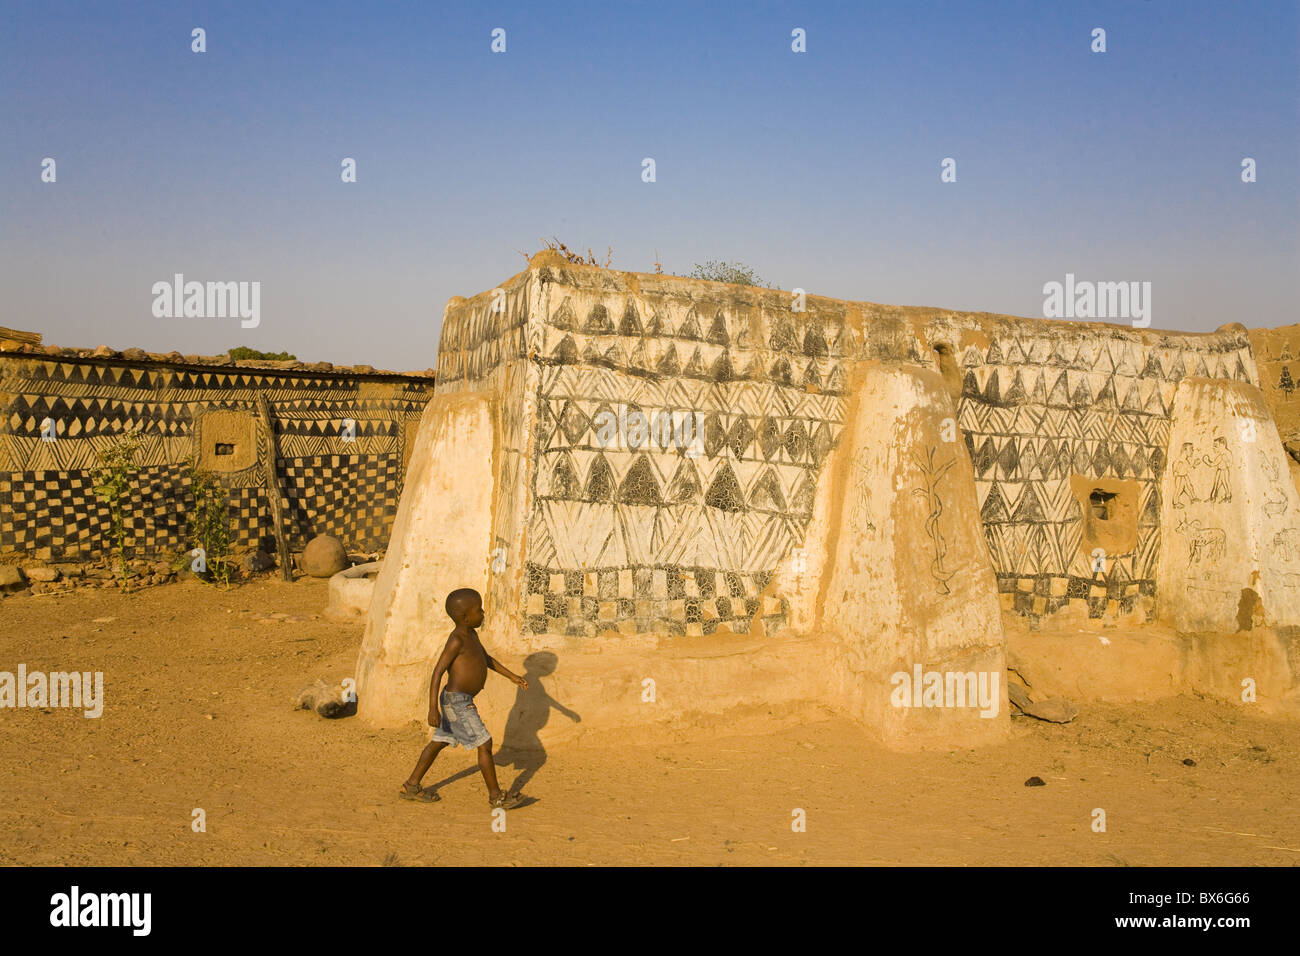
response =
{"points": [[663, 600], [48, 508], [52, 515], [1045, 594], [350, 497]]}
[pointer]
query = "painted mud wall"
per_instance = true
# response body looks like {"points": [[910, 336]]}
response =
{"points": [[870, 488], [48, 508], [649, 540]]}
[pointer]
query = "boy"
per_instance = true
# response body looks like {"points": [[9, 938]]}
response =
{"points": [[466, 663]]}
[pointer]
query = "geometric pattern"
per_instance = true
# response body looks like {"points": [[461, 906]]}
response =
{"points": [[650, 539], [1037, 408], [48, 509], [50, 515]]}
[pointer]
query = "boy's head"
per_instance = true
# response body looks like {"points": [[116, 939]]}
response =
{"points": [[464, 606]]}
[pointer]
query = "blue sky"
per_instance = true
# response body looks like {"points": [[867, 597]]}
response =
{"points": [[819, 170]]}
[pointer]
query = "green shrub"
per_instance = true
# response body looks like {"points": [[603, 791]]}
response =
{"points": [[734, 272], [209, 525], [244, 353], [118, 461]]}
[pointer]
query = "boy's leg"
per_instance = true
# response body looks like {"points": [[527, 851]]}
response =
{"points": [[487, 766], [431, 750]]}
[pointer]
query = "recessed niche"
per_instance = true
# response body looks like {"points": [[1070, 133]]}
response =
{"points": [[226, 440], [1109, 511]]}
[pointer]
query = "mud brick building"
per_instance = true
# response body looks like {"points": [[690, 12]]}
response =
{"points": [[881, 485], [340, 440]]}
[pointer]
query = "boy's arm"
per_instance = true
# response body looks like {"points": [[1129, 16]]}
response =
{"points": [[496, 665], [448, 655]]}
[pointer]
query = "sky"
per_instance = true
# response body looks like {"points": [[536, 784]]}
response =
{"points": [[820, 169]]}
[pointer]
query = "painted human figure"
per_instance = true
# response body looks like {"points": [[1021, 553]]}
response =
{"points": [[1183, 477], [1222, 463]]}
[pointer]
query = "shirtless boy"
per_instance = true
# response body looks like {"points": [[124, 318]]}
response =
{"points": [[452, 714]]}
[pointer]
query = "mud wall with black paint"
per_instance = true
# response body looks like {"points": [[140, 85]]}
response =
{"points": [[337, 479], [1066, 426]]}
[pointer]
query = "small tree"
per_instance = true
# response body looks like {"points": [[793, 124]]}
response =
{"points": [[118, 461], [209, 523], [1285, 382]]}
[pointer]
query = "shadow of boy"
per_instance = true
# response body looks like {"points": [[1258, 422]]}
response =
{"points": [[521, 747]]}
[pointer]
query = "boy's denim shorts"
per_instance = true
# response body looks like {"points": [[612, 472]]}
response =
{"points": [[461, 725]]}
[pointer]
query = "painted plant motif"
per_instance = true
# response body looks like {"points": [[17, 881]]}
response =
{"points": [[860, 516], [933, 475]]}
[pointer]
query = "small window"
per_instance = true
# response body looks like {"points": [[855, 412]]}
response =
{"points": [[1100, 502], [225, 449]]}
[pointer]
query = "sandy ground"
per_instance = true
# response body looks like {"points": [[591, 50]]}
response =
{"points": [[198, 684]]}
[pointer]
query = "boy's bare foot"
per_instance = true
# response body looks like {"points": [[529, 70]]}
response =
{"points": [[413, 791], [505, 801]]}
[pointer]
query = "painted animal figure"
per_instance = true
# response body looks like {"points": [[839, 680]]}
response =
{"points": [[1205, 543], [1287, 544]]}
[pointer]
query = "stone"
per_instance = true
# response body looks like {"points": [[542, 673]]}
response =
{"points": [[256, 561], [323, 556], [1056, 711], [103, 351], [135, 355], [1035, 782], [41, 573], [70, 570], [351, 590], [11, 576], [327, 701]]}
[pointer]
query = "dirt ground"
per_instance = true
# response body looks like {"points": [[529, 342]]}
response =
{"points": [[198, 684]]}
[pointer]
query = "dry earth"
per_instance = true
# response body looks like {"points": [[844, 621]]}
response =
{"points": [[198, 684]]}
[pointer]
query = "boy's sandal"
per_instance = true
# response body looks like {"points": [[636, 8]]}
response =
{"points": [[507, 801], [422, 794]]}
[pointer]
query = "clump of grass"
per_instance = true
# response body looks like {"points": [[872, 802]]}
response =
{"points": [[577, 259]]}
